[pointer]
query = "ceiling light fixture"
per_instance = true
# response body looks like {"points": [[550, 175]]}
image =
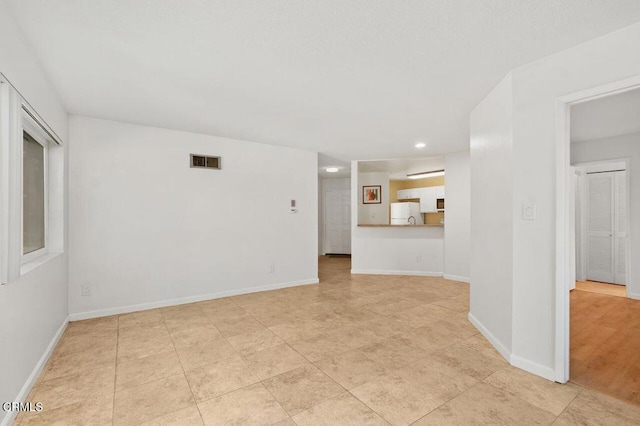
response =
{"points": [[420, 145], [426, 174], [332, 169]]}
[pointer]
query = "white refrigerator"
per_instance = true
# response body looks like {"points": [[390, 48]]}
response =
{"points": [[403, 214]]}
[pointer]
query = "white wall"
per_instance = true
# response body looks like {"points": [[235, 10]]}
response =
{"points": [[536, 90], [457, 225], [398, 250], [326, 184], [373, 213], [33, 308], [492, 217], [148, 230], [626, 146]]}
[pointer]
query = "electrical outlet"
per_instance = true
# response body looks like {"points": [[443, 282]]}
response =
{"points": [[86, 290], [418, 259], [272, 268]]}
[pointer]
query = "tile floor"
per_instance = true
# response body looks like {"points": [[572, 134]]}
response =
{"points": [[354, 350]]}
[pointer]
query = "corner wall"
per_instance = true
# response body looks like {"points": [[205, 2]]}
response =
{"points": [[536, 92], [537, 88], [150, 231], [457, 224], [491, 266], [34, 308]]}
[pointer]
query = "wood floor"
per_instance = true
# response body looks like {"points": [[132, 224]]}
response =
{"points": [[605, 343], [602, 288]]}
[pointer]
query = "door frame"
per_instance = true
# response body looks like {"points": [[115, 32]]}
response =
{"points": [[564, 273], [581, 230]]}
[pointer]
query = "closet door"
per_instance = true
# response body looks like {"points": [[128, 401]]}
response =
{"points": [[600, 227], [620, 228]]}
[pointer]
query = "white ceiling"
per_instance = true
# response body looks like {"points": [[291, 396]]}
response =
{"points": [[606, 117], [357, 79]]}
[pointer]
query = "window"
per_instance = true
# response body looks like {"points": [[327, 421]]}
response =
{"points": [[32, 178], [33, 195], [34, 190]]}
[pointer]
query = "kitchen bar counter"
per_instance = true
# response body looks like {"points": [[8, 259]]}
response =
{"points": [[385, 249], [386, 225]]}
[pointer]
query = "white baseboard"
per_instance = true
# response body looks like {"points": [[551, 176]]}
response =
{"points": [[189, 299], [633, 295], [456, 278], [394, 272], [516, 361], [35, 373], [533, 367], [504, 351], [418, 273]]}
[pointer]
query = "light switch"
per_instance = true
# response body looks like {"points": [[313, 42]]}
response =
{"points": [[528, 212]]}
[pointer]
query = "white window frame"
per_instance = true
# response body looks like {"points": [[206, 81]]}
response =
{"points": [[34, 130], [16, 116]]}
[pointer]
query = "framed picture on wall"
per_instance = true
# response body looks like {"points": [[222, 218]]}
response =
{"points": [[372, 194]]}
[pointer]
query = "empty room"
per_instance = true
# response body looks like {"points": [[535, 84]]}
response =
{"points": [[319, 212]]}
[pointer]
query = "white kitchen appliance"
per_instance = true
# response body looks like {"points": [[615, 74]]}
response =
{"points": [[405, 213]]}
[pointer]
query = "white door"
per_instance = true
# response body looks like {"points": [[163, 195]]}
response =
{"points": [[337, 221], [601, 227]]}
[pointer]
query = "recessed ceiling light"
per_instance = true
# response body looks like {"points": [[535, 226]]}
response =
{"points": [[420, 145], [332, 169]]}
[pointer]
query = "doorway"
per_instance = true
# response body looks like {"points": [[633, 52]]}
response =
{"points": [[337, 221], [601, 328]]}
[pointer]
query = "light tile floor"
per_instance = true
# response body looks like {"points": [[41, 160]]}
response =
{"points": [[354, 350]]}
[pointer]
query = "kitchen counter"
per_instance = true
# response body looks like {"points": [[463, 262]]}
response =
{"points": [[386, 249], [386, 225]]}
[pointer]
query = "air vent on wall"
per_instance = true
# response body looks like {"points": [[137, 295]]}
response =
{"points": [[205, 162]]}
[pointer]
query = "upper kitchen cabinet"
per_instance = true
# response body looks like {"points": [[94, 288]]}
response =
{"points": [[428, 199], [426, 195], [409, 194]]}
